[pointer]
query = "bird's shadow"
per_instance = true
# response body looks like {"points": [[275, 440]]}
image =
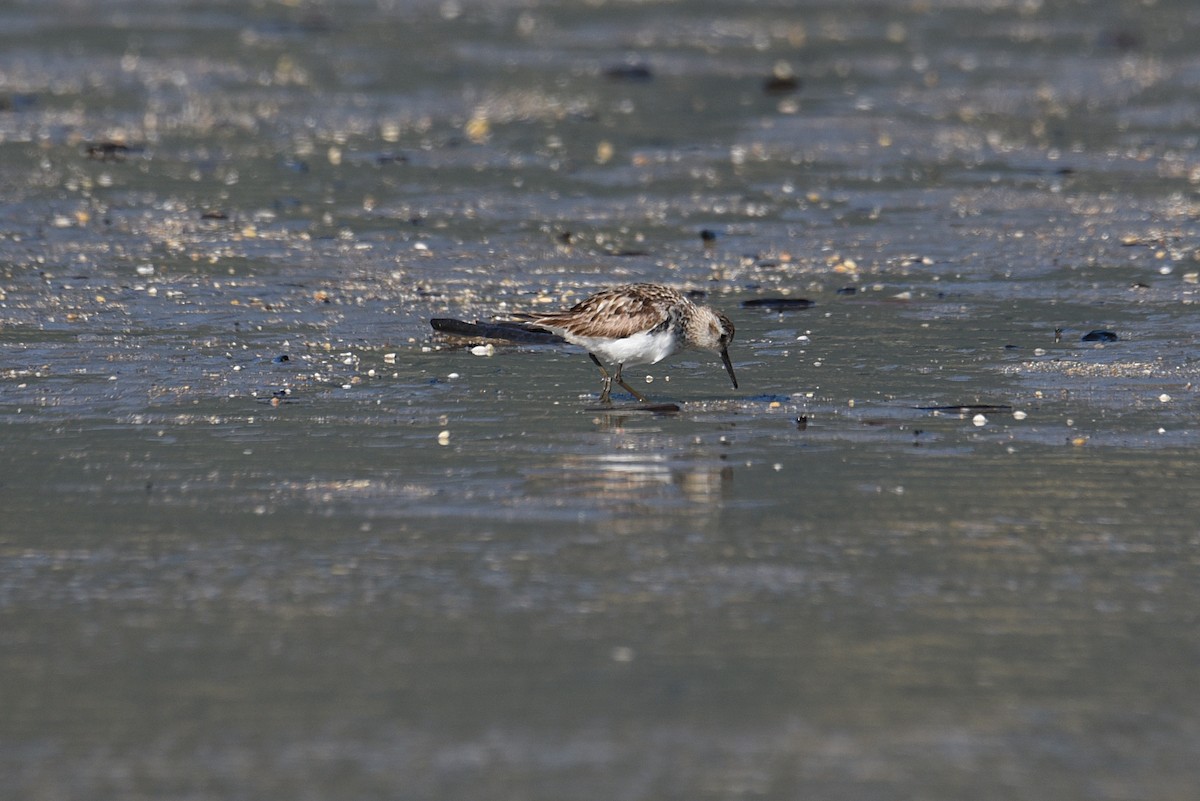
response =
{"points": [[646, 408]]}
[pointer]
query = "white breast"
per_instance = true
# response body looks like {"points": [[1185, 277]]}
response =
{"points": [[643, 348]]}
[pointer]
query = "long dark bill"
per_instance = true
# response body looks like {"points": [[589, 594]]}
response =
{"points": [[729, 367]]}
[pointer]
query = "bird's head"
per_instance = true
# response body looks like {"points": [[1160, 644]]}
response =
{"points": [[714, 331]]}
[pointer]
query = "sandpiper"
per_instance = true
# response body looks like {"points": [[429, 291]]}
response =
{"points": [[638, 324]]}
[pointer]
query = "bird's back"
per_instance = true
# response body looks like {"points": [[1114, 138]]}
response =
{"points": [[614, 313]]}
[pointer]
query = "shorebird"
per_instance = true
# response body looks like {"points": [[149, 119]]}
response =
{"points": [[637, 324]]}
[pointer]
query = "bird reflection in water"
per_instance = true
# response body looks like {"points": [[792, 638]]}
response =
{"points": [[640, 479]]}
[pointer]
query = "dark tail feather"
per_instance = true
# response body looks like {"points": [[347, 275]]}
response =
{"points": [[513, 332]]}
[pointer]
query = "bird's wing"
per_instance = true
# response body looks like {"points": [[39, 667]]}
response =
{"points": [[613, 313]]}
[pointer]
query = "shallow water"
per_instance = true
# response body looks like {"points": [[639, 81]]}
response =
{"points": [[384, 567]]}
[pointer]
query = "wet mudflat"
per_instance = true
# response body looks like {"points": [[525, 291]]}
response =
{"points": [[263, 534]]}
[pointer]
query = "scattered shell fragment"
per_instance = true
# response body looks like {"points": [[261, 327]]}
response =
{"points": [[604, 152], [782, 79], [478, 128], [622, 653]]}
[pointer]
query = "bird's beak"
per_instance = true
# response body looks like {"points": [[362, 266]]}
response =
{"points": [[728, 366]]}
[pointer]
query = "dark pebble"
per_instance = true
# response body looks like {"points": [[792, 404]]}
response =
{"points": [[629, 72], [1123, 39], [283, 357], [18, 102], [108, 151], [848, 290], [708, 235], [1099, 336], [778, 304], [781, 84]]}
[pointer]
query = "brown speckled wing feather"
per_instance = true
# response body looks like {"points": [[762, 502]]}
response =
{"points": [[618, 312]]}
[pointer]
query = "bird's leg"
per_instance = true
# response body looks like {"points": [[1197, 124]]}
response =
{"points": [[606, 381], [621, 382]]}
